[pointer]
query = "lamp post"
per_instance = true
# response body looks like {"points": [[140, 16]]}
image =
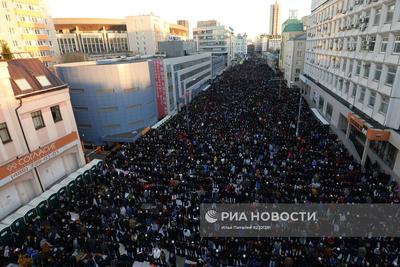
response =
{"points": [[299, 113]]}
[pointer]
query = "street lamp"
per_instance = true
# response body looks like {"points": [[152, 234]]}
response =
{"points": [[299, 112]]}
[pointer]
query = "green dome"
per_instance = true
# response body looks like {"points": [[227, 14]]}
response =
{"points": [[293, 25]]}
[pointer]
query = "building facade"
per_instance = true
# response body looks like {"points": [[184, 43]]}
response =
{"points": [[91, 36], [352, 75], [113, 100], [240, 45], [39, 142], [27, 28], [291, 29], [185, 77], [184, 23], [211, 37], [145, 31], [275, 19], [177, 48], [294, 59]]}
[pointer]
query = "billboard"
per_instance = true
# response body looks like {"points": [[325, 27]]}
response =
{"points": [[159, 79]]}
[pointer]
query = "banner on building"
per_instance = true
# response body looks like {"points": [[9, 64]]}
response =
{"points": [[29, 161], [160, 88]]}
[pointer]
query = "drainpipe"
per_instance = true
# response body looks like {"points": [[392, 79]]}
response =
{"points": [[26, 141]]}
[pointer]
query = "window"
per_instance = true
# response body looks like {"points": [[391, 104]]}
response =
{"points": [[377, 17], [378, 72], [390, 13], [23, 84], [354, 92], [297, 70], [362, 95], [321, 103], [358, 69], [396, 44], [391, 75], [384, 44], [366, 70], [56, 113], [372, 98], [37, 118], [4, 133], [44, 82], [371, 43], [384, 104]]}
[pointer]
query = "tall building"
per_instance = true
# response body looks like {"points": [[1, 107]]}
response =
{"points": [[39, 142], [145, 31], [294, 59], [275, 19], [215, 38], [28, 29], [352, 75], [293, 13], [91, 36]]}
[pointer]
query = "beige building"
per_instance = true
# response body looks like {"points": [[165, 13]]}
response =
{"points": [[294, 59], [39, 143], [27, 28], [145, 31], [91, 36], [275, 19]]}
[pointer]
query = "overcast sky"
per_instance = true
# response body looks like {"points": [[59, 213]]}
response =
{"points": [[250, 16]]}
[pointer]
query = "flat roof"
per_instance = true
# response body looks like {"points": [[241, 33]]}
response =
{"points": [[111, 61]]}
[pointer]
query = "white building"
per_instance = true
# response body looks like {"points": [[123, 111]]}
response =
{"points": [[240, 45], [145, 31], [294, 59], [27, 28], [215, 38], [185, 77], [267, 43], [39, 143], [352, 75]]}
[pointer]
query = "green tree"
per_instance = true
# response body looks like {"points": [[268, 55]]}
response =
{"points": [[6, 51]]}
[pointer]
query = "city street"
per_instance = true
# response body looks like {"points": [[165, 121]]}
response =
{"points": [[236, 143]]}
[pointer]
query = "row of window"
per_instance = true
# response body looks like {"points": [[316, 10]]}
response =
{"points": [[346, 65], [377, 43], [326, 23], [37, 120], [344, 86]]}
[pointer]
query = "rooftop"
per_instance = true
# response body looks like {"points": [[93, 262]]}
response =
{"points": [[29, 76], [111, 61]]}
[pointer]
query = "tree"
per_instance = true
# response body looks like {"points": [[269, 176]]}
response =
{"points": [[6, 51]]}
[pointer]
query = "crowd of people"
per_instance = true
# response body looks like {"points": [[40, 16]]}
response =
{"points": [[235, 143]]}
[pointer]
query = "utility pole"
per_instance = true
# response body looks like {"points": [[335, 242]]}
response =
{"points": [[299, 114]]}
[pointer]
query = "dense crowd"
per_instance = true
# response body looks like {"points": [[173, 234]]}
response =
{"points": [[235, 143]]}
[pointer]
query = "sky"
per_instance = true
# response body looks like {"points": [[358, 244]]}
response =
{"points": [[244, 16]]}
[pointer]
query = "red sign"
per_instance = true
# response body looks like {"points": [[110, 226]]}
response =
{"points": [[160, 88]]}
